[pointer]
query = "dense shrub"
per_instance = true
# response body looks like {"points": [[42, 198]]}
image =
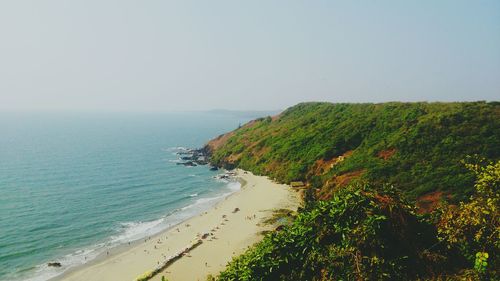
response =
{"points": [[474, 226], [362, 233]]}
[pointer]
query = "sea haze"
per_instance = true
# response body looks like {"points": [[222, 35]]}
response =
{"points": [[74, 185]]}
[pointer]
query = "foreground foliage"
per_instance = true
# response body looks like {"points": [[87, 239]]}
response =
{"points": [[368, 232], [362, 233], [474, 226]]}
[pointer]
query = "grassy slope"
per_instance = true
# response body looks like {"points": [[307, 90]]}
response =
{"points": [[415, 146]]}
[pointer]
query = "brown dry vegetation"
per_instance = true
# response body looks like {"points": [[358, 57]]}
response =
{"points": [[337, 182], [322, 166], [386, 154], [233, 158], [276, 117], [219, 141], [430, 201]]}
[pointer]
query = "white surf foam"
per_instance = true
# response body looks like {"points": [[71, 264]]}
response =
{"points": [[175, 148], [44, 272], [132, 231]]}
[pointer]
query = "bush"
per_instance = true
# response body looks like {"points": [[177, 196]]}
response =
{"points": [[474, 226], [362, 233], [145, 276]]}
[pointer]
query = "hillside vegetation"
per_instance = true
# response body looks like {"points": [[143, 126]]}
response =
{"points": [[417, 147], [367, 232], [365, 166]]}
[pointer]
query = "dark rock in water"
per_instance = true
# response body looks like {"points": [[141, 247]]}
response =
{"points": [[188, 163], [54, 264], [214, 168], [188, 158], [201, 160], [193, 157]]}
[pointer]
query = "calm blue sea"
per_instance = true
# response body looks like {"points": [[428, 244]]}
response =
{"points": [[74, 185]]}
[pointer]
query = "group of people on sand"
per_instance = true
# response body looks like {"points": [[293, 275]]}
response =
{"points": [[251, 217], [208, 236], [214, 229], [184, 252]]}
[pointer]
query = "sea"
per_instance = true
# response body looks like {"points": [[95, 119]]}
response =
{"points": [[74, 185]]}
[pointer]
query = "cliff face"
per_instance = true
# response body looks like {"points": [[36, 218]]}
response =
{"points": [[417, 147]]}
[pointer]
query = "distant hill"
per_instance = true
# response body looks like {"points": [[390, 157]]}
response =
{"points": [[417, 147]]}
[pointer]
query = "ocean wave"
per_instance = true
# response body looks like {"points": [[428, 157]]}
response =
{"points": [[228, 180], [175, 148], [205, 203], [131, 231], [234, 185], [44, 272]]}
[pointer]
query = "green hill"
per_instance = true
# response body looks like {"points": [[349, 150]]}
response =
{"points": [[364, 166], [416, 147]]}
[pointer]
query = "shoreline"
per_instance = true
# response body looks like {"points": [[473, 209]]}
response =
{"points": [[126, 246], [231, 233]]}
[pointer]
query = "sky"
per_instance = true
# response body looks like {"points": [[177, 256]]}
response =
{"points": [[159, 55]]}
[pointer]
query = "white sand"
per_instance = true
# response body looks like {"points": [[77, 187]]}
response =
{"points": [[258, 196]]}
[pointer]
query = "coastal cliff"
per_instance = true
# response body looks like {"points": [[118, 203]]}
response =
{"points": [[417, 147]]}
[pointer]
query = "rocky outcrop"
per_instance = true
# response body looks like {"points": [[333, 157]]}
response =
{"points": [[193, 157]]}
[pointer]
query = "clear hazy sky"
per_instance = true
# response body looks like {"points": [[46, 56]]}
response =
{"points": [[180, 55]]}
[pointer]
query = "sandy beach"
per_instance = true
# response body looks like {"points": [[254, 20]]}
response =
{"points": [[233, 232]]}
